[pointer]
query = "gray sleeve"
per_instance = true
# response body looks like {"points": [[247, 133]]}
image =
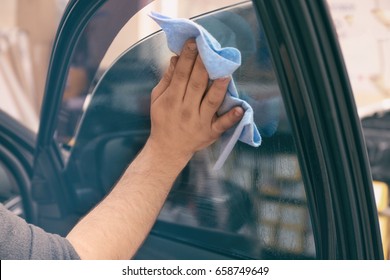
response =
{"points": [[22, 241]]}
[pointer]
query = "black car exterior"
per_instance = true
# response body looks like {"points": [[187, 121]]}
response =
{"points": [[324, 132]]}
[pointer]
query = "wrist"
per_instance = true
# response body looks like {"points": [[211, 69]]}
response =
{"points": [[164, 156]]}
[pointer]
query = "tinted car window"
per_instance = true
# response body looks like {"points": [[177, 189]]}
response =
{"points": [[255, 206]]}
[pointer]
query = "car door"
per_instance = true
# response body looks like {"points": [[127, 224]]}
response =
{"points": [[17, 145], [305, 193]]}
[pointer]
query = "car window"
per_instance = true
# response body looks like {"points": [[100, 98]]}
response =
{"points": [[114, 27], [255, 205]]}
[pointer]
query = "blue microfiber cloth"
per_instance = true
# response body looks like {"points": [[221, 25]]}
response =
{"points": [[219, 62]]}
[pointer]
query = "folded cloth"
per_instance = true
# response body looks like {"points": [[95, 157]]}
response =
{"points": [[219, 62]]}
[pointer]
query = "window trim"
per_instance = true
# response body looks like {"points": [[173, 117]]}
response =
{"points": [[322, 113], [48, 184], [321, 108]]}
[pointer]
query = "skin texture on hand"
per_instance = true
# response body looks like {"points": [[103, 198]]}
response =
{"points": [[183, 121], [183, 113]]}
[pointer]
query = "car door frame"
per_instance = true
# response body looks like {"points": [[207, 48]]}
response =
{"points": [[16, 154], [56, 202], [319, 103], [328, 133]]}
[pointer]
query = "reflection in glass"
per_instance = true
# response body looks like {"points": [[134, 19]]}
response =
{"points": [[255, 206], [88, 53]]}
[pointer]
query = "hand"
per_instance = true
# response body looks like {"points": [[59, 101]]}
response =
{"points": [[184, 107], [184, 120]]}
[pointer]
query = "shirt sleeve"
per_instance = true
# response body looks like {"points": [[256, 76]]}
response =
{"points": [[22, 241]]}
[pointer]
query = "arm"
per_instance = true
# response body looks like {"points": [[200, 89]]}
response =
{"points": [[22, 241], [184, 121]]}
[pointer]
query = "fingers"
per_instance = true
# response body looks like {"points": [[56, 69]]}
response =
{"points": [[197, 84], [184, 67], [214, 98], [211, 103], [165, 80], [227, 120], [179, 72]]}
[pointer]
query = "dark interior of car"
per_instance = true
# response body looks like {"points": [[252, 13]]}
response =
{"points": [[252, 207]]}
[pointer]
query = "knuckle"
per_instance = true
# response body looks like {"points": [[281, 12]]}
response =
{"points": [[166, 78], [212, 102], [224, 123], [196, 85], [214, 99], [170, 100], [186, 115], [181, 75], [173, 61]]}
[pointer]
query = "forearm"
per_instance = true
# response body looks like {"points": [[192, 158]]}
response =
{"points": [[123, 219], [184, 120]]}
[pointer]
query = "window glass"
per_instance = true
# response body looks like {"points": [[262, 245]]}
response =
{"points": [[117, 25], [255, 206], [90, 49]]}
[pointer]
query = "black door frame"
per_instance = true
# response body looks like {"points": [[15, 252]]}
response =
{"points": [[320, 106], [322, 111]]}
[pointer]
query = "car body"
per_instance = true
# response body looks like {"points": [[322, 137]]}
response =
{"points": [[306, 193]]}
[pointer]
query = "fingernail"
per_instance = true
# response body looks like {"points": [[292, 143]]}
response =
{"points": [[192, 46]]}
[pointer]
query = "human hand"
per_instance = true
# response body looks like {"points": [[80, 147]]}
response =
{"points": [[184, 107]]}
